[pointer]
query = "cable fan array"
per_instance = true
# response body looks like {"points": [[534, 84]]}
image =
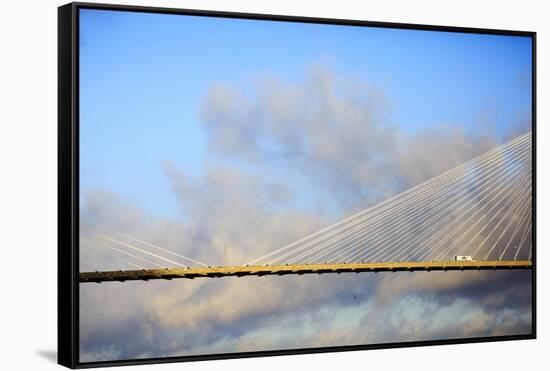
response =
{"points": [[103, 248], [480, 209]]}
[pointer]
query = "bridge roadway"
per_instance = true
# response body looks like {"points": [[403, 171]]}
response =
{"points": [[264, 270]]}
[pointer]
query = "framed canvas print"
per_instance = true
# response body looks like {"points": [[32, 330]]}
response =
{"points": [[237, 185]]}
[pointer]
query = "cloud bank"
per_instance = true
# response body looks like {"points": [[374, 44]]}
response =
{"points": [[287, 158]]}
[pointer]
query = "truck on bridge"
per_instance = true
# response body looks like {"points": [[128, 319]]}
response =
{"points": [[463, 258]]}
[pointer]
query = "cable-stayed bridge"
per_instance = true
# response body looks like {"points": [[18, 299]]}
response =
{"points": [[474, 216]]}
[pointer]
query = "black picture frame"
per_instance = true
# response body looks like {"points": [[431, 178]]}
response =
{"points": [[68, 182]]}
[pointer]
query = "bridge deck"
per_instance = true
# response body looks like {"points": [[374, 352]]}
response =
{"points": [[263, 270]]}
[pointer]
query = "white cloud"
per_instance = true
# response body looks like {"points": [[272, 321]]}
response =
{"points": [[287, 159]]}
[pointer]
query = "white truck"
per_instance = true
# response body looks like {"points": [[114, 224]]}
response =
{"points": [[463, 258]]}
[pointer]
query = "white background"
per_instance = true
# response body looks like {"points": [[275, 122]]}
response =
{"points": [[28, 182]]}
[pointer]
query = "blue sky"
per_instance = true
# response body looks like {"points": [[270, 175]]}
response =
{"points": [[143, 77]]}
